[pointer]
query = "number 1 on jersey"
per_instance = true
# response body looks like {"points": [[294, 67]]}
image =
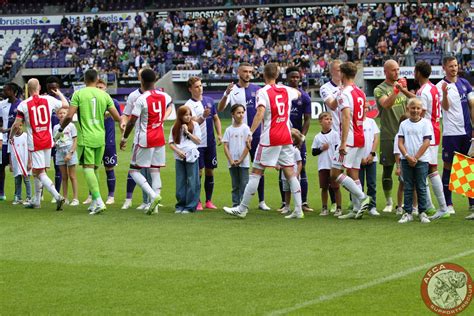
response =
{"points": [[94, 108]]}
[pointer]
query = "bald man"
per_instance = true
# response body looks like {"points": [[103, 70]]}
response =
{"points": [[36, 112], [391, 97]]}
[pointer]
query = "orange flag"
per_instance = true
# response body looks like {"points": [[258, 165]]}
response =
{"points": [[462, 175]]}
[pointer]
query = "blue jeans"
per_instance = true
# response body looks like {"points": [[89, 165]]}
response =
{"points": [[188, 185], [18, 180], [369, 172], [415, 177], [240, 178]]}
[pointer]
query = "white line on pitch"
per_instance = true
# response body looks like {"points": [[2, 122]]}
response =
{"points": [[398, 275]]}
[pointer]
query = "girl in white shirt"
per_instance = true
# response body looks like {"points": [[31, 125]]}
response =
{"points": [[21, 166], [236, 140], [66, 156], [414, 138], [184, 137]]}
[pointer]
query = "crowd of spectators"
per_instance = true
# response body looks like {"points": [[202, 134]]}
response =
{"points": [[96, 6], [217, 44]]}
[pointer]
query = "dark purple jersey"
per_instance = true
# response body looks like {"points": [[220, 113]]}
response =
{"points": [[299, 108], [109, 125], [208, 102], [246, 97]]}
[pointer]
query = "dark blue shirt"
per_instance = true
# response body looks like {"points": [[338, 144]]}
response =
{"points": [[299, 108], [109, 125]]}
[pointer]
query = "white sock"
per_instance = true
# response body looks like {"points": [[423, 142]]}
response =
{"points": [[99, 201], [295, 188], [350, 186], [250, 190], [38, 187], [389, 201], [155, 180], [355, 202], [429, 201], [141, 181], [359, 185], [49, 185], [437, 184]]}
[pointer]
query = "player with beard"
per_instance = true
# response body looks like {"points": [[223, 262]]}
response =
{"points": [[244, 92], [457, 104], [391, 97], [276, 146]]}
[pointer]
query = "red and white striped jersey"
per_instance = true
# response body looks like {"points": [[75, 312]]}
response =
{"points": [[150, 110], [430, 96], [353, 98], [276, 124], [37, 111]]}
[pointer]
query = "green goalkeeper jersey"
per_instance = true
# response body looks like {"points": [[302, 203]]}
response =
{"points": [[91, 103], [389, 117]]}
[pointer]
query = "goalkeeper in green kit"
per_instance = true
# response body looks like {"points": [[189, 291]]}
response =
{"points": [[90, 104]]}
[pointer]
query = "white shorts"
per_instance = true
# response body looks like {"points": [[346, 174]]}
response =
{"points": [[433, 154], [351, 160], [41, 159], [153, 157], [272, 156]]}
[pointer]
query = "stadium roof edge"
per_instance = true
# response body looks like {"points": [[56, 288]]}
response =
{"points": [[279, 5]]}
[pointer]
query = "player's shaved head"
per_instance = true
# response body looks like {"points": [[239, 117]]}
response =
{"points": [[389, 64], [91, 76], [33, 86], [391, 70], [271, 71]]}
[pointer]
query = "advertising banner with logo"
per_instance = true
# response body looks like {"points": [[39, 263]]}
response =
{"points": [[184, 75], [7, 22], [376, 73]]}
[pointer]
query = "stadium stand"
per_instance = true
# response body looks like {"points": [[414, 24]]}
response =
{"points": [[14, 42], [216, 44]]}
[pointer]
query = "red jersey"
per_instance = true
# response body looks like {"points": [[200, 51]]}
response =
{"points": [[276, 99], [150, 108], [37, 111], [353, 98], [430, 96]]}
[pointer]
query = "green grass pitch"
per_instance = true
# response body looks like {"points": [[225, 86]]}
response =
{"points": [[124, 262]]}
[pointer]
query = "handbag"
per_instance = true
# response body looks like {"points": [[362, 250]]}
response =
{"points": [[192, 155]]}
